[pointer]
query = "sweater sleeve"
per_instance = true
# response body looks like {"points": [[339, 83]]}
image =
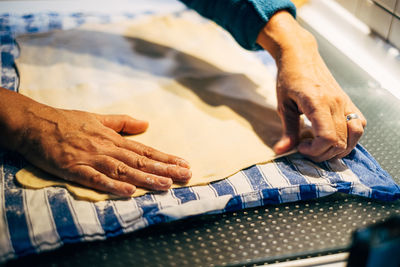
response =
{"points": [[244, 19]]}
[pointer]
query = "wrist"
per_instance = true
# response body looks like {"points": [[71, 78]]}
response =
{"points": [[282, 36]]}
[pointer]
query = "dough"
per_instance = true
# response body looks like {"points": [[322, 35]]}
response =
{"points": [[207, 100]]}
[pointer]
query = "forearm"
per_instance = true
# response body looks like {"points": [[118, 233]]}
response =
{"points": [[282, 37], [13, 111], [244, 19]]}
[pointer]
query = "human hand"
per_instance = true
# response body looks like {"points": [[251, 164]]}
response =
{"points": [[305, 86], [86, 148]]}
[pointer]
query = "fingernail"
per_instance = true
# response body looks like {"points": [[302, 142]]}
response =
{"points": [[165, 182], [185, 173], [281, 147]]}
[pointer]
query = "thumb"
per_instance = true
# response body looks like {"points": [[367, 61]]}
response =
{"points": [[123, 123], [290, 138]]}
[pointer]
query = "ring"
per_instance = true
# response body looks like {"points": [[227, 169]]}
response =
{"points": [[352, 116]]}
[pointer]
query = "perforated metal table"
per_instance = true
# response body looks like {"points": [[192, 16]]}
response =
{"points": [[270, 233]]}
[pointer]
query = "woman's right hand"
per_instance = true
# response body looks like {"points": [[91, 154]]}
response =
{"points": [[86, 148]]}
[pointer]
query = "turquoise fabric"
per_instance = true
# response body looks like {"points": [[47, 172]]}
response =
{"points": [[242, 18]]}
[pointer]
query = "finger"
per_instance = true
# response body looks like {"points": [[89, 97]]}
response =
{"points": [[331, 152], [339, 118], [285, 144], [324, 130], [362, 119], [122, 172], [154, 154], [340, 144], [177, 173], [355, 130], [123, 123], [92, 178], [291, 126], [351, 108]]}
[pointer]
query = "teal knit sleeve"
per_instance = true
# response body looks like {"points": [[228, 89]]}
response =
{"points": [[244, 19]]}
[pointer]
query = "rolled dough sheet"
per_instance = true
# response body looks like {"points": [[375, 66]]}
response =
{"points": [[207, 100]]}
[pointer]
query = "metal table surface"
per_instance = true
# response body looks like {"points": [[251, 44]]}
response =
{"points": [[264, 234]]}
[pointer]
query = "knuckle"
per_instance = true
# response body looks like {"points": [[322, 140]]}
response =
{"points": [[67, 159], [338, 100], [140, 162], [148, 152], [340, 145], [91, 145], [104, 142], [121, 142], [95, 178], [121, 170]]}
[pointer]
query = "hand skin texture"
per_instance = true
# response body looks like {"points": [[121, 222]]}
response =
{"points": [[305, 86], [86, 148]]}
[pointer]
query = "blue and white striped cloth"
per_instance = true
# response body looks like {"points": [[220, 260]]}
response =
{"points": [[32, 221]]}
